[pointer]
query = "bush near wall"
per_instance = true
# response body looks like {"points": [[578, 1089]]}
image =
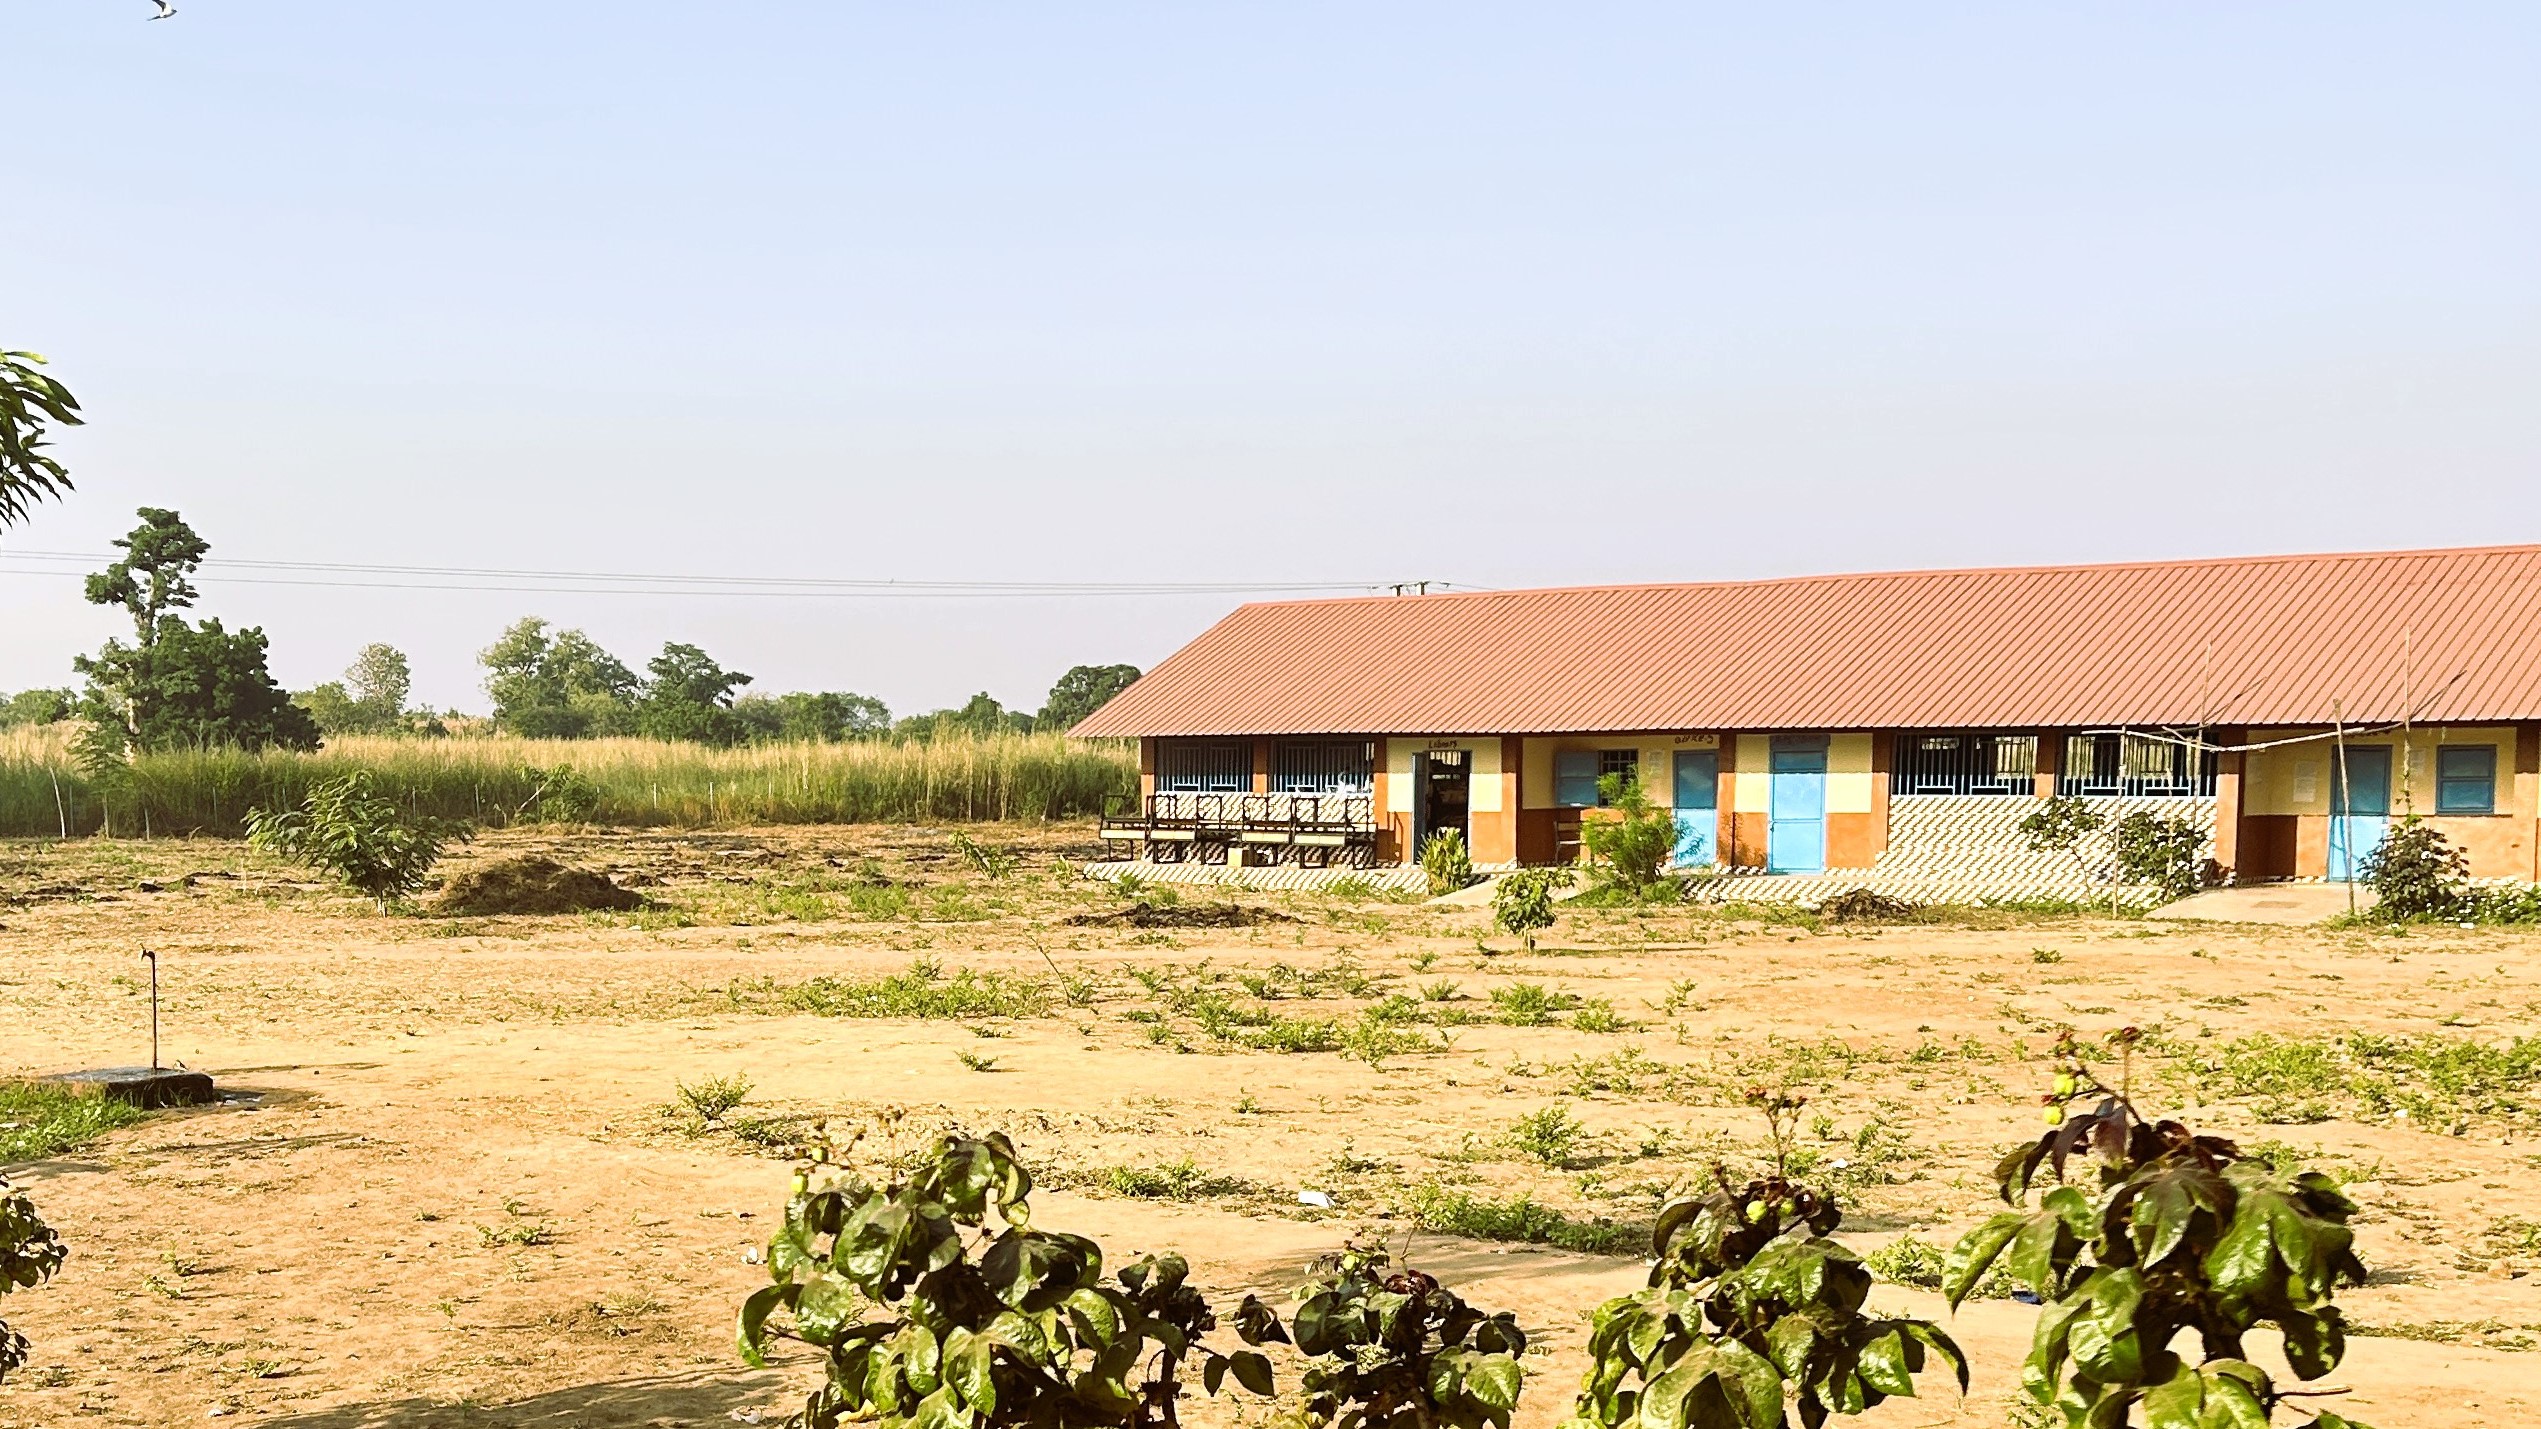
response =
{"points": [[504, 780]]}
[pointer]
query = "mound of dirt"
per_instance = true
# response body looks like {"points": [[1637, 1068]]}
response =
{"points": [[1863, 906], [1143, 914], [531, 885]]}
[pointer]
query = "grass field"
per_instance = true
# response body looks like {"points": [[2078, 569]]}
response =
{"points": [[514, 1170], [497, 781]]}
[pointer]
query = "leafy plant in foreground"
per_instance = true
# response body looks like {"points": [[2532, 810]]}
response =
{"points": [[937, 1304], [2168, 853], [1751, 1311], [29, 1254], [1523, 903], [2182, 1233], [1631, 839], [2416, 873], [1394, 1349], [347, 830], [1449, 866]]}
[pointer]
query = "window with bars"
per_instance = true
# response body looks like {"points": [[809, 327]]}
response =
{"points": [[1963, 762], [1624, 764], [2141, 765], [1204, 766], [1324, 767]]}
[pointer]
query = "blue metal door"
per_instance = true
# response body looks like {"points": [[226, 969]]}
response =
{"points": [[1795, 835], [1697, 804], [2359, 808]]}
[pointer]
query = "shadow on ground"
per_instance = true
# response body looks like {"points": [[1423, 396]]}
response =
{"points": [[652, 1403]]}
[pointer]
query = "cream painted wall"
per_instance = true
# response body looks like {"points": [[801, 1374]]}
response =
{"points": [[1482, 751], [2296, 779], [1848, 776], [1752, 792]]}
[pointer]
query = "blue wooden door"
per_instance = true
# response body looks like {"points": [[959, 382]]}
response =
{"points": [[2359, 808], [1795, 834], [1697, 804]]}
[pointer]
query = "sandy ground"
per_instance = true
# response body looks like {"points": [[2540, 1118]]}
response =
{"points": [[455, 1189]]}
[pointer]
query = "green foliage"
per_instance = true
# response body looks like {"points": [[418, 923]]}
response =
{"points": [[1522, 1219], [2061, 824], [557, 687], [1080, 692], [997, 863], [1523, 901], [919, 1326], [29, 401], [1632, 841], [1750, 1308], [2168, 853], [712, 1098], [690, 697], [1444, 860], [40, 1119], [29, 1254], [921, 992], [2439, 1082], [1548, 1135], [178, 684], [824, 717], [1529, 1004], [978, 717], [2182, 1232], [558, 795], [35, 707], [346, 829], [370, 699], [2416, 873], [1394, 1349], [192, 686]]}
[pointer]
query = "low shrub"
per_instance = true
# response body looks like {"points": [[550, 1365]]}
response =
{"points": [[935, 1302], [1446, 862], [1631, 841], [2416, 873], [1523, 901], [29, 1254], [1394, 1349]]}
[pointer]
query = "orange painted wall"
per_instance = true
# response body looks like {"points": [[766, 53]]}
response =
{"points": [[1852, 840], [1146, 771], [1747, 839]]}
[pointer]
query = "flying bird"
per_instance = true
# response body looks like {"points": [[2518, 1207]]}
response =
{"points": [[165, 9]]}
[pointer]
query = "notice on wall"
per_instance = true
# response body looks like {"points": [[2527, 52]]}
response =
{"points": [[2306, 780]]}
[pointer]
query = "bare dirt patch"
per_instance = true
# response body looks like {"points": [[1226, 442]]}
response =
{"points": [[473, 1193]]}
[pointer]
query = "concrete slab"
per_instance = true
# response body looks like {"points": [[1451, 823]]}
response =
{"points": [[146, 1087], [2286, 903]]}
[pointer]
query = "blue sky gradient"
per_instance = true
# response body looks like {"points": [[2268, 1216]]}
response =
{"points": [[1502, 295]]}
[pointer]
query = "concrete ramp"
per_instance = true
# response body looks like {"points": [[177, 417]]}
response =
{"points": [[2286, 903]]}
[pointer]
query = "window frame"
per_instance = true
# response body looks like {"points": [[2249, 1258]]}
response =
{"points": [[2486, 779], [1323, 766], [1568, 791], [1237, 768]]}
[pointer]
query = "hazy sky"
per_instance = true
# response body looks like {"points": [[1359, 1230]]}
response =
{"points": [[1501, 295]]}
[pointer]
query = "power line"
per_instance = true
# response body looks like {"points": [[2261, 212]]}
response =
{"points": [[488, 578]]}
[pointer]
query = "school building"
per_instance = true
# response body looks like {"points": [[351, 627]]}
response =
{"points": [[1892, 723]]}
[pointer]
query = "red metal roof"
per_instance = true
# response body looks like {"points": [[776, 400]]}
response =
{"points": [[2438, 635]]}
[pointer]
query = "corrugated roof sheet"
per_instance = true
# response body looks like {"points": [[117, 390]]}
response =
{"points": [[2438, 635]]}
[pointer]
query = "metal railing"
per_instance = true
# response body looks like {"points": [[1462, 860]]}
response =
{"points": [[1308, 830]]}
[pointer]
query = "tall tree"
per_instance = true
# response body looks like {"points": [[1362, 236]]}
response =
{"points": [[155, 576], [178, 683], [690, 697], [30, 403], [1080, 692], [557, 686], [380, 680]]}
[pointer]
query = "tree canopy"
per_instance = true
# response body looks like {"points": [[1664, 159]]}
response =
{"points": [[1080, 692], [31, 403]]}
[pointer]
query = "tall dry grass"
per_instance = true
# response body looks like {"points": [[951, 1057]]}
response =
{"points": [[496, 780]]}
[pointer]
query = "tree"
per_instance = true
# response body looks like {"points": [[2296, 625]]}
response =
{"points": [[335, 710], [380, 680], [29, 401], [346, 829], [690, 697], [1080, 692], [193, 685], [36, 707], [978, 717], [557, 687], [155, 577], [178, 683], [1631, 839], [803, 717]]}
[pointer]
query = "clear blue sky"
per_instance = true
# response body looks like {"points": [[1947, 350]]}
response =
{"points": [[1494, 294]]}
